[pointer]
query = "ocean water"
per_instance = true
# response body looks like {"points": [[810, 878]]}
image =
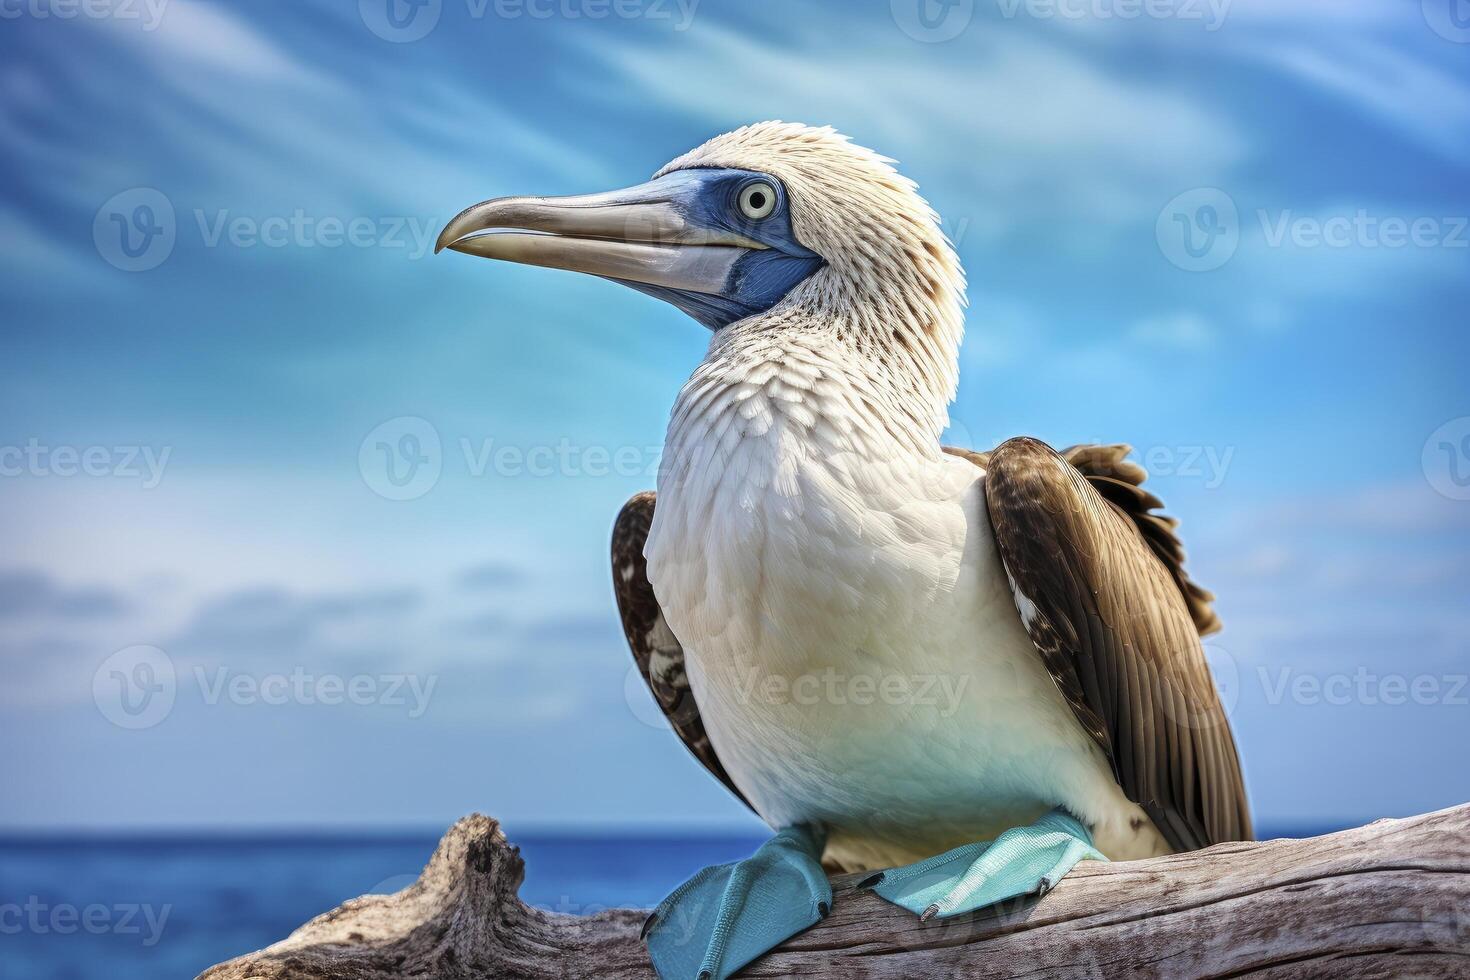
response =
{"points": [[156, 908], [139, 908]]}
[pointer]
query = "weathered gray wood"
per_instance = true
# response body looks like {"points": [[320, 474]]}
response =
{"points": [[1390, 899]]}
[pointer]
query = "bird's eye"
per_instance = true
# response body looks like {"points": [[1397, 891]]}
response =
{"points": [[757, 200]]}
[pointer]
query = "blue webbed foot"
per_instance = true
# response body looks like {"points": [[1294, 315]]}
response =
{"points": [[727, 915], [1021, 861]]}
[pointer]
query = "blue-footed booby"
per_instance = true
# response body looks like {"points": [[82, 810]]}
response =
{"points": [[961, 671]]}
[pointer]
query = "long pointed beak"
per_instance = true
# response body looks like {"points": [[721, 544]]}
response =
{"points": [[640, 234]]}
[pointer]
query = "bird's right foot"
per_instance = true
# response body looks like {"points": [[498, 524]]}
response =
{"points": [[1021, 861], [727, 915]]}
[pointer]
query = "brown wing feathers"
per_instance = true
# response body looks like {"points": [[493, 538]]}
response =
{"points": [[1120, 482], [656, 650], [1117, 623]]}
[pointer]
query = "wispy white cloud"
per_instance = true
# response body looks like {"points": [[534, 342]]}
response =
{"points": [[210, 71], [203, 37], [1403, 90], [1037, 130]]}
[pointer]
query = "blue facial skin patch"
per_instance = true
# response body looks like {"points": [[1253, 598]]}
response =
{"points": [[708, 198]]}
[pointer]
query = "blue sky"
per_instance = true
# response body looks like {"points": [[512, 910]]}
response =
{"points": [[192, 427]]}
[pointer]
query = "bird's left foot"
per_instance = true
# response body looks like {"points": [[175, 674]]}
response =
{"points": [[726, 916], [1021, 861]]}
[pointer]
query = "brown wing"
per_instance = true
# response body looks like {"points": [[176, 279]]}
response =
{"points": [[1120, 481], [1117, 623], [656, 651]]}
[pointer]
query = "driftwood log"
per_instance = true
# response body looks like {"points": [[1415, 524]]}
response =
{"points": [[1390, 899]]}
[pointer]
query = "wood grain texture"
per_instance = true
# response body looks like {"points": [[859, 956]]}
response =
{"points": [[1391, 899]]}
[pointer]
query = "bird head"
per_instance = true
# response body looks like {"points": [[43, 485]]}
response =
{"points": [[774, 221]]}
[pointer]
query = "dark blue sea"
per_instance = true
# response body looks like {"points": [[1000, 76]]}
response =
{"points": [[154, 908]]}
